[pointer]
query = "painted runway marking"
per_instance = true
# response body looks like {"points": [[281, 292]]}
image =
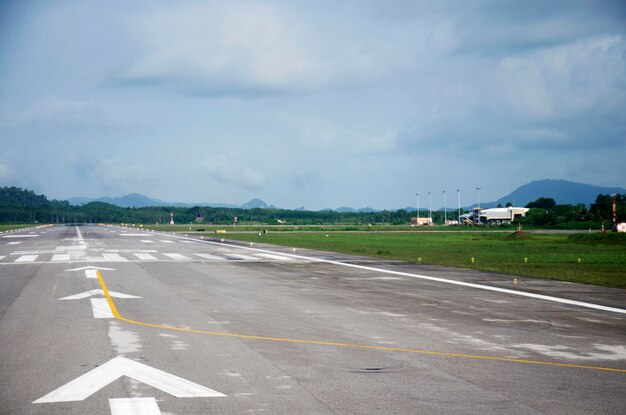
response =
{"points": [[187, 242], [134, 406], [91, 273], [79, 235], [20, 236], [91, 382], [91, 268], [166, 241], [435, 279], [277, 257], [135, 234], [337, 344], [97, 291], [211, 257], [114, 257], [61, 257], [145, 256], [100, 308], [14, 243], [145, 241], [2, 257], [176, 256], [240, 257], [27, 258]]}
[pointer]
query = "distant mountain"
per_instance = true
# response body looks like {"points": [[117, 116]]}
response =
{"points": [[345, 209], [562, 191], [130, 200], [255, 204], [137, 200]]}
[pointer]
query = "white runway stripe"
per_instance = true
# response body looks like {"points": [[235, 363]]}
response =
{"points": [[100, 308], [145, 241], [114, 257], [240, 257], [144, 256], [277, 257], [166, 241], [27, 258], [134, 406], [176, 256], [61, 257], [211, 257], [14, 243], [2, 256], [187, 242]]}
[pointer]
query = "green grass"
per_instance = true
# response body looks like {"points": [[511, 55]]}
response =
{"points": [[11, 227], [584, 258], [255, 228]]}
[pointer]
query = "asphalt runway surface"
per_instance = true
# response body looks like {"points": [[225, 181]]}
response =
{"points": [[110, 320]]}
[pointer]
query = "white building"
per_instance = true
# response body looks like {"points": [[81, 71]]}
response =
{"points": [[494, 215]]}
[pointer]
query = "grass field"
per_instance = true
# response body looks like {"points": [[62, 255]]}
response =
{"points": [[584, 258], [11, 227]]}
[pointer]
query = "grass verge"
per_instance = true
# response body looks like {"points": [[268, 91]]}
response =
{"points": [[583, 259]]}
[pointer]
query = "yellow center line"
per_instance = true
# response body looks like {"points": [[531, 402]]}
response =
{"points": [[117, 315]]}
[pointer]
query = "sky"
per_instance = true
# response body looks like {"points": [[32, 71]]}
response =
{"points": [[315, 104]]}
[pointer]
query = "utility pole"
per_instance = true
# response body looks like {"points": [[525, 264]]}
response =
{"points": [[445, 208], [417, 212]]}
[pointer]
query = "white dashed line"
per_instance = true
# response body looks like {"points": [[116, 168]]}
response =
{"points": [[145, 241], [100, 308], [278, 257], [61, 257], [176, 256], [145, 256], [14, 243], [114, 257], [240, 257], [27, 258], [211, 257]]}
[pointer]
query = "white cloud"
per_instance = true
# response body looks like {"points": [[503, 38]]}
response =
{"points": [[253, 49], [54, 110], [114, 175], [327, 135], [227, 171], [564, 81]]}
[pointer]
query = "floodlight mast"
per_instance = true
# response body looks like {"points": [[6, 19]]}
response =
{"points": [[445, 208], [417, 212]]}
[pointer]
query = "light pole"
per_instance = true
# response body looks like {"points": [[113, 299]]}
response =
{"points": [[445, 208], [458, 194], [418, 209], [477, 214], [430, 207]]}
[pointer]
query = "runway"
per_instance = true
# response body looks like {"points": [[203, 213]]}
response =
{"points": [[110, 320]]}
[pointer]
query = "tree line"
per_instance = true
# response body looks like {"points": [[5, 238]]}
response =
{"points": [[24, 206]]}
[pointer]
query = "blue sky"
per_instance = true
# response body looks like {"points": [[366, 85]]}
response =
{"points": [[316, 104]]}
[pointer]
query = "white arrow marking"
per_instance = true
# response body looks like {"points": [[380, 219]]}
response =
{"points": [[91, 293], [134, 406], [91, 273], [91, 267], [96, 379]]}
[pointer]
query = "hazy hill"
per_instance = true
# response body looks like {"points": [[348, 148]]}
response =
{"points": [[138, 200], [562, 191]]}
